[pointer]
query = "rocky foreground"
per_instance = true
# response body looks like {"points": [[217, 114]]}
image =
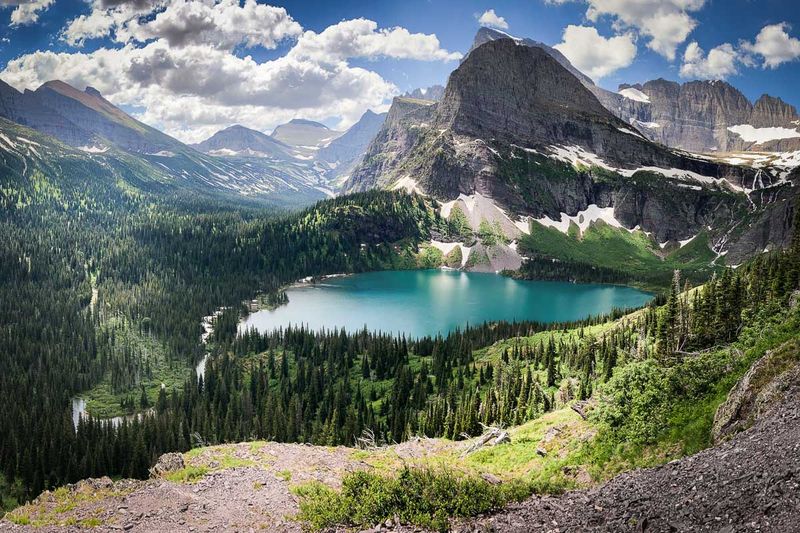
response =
{"points": [[749, 483]]}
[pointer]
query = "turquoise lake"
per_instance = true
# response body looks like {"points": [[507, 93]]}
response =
{"points": [[428, 302]]}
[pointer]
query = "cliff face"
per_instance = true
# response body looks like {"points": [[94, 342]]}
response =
{"points": [[771, 111], [516, 126], [697, 116]]}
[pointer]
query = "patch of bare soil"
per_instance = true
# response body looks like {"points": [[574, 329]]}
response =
{"points": [[244, 487]]}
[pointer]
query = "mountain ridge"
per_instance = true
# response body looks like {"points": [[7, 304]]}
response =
{"points": [[550, 149]]}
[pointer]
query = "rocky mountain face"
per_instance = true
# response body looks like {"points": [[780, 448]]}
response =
{"points": [[695, 116], [706, 116], [516, 126]]}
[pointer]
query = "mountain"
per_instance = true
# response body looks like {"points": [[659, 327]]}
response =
{"points": [[706, 116], [485, 35], [81, 118], [96, 130], [517, 138], [343, 153], [305, 135], [697, 116], [238, 140], [434, 92]]}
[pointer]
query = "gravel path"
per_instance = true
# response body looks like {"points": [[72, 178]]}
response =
{"points": [[750, 483]]}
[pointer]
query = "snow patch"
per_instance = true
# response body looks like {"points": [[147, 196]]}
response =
{"points": [[11, 144], [629, 132], [93, 149], [649, 125], [635, 94], [686, 241], [749, 133]]}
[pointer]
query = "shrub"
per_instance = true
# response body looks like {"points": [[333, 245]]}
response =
{"points": [[634, 402], [420, 496]]}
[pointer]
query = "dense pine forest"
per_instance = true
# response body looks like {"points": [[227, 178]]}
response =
{"points": [[105, 285]]}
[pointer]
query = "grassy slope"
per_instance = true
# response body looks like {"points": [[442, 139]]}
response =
{"points": [[633, 253]]}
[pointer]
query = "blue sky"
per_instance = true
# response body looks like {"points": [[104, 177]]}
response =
{"points": [[755, 47]]}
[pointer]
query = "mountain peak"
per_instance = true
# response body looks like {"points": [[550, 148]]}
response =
{"points": [[306, 122], [92, 91]]}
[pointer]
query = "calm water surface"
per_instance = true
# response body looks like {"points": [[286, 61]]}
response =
{"points": [[427, 302]]}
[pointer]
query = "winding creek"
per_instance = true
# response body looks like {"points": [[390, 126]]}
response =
{"points": [[423, 302]]}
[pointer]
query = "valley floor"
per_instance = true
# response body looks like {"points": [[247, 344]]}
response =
{"points": [[749, 483]]}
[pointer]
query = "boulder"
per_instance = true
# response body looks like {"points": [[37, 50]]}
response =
{"points": [[169, 462]]}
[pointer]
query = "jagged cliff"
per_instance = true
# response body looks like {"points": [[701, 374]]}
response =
{"points": [[704, 116], [694, 116]]}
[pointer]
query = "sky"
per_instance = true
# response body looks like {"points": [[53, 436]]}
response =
{"points": [[192, 67]]}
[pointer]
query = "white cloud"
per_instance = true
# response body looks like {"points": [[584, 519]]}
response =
{"points": [[362, 38], [493, 20], [774, 45], [718, 64], [224, 24], [666, 23], [593, 54], [191, 87], [26, 11]]}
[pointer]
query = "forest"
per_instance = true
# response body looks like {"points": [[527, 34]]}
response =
{"points": [[103, 288]]}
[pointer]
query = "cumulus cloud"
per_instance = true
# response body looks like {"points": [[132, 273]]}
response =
{"points": [[191, 86], [774, 45], [224, 24], [718, 64], [493, 20], [362, 38], [665, 23], [595, 55], [26, 11]]}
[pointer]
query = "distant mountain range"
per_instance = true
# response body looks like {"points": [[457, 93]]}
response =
{"points": [[434, 92], [328, 155], [98, 131], [283, 167]]}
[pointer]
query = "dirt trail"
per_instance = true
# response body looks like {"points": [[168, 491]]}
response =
{"points": [[750, 483], [247, 487]]}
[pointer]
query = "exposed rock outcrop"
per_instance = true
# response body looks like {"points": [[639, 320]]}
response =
{"points": [[758, 391], [750, 483], [169, 462]]}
